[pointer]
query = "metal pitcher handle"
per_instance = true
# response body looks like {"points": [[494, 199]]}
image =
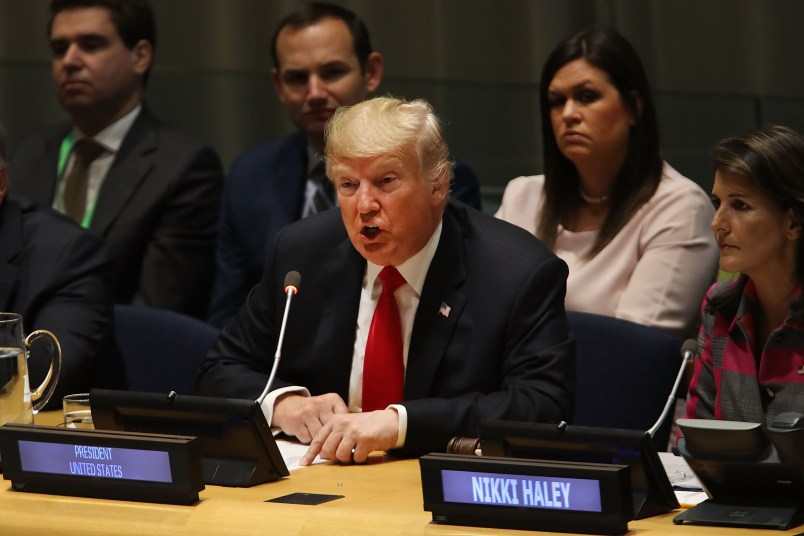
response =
{"points": [[41, 395]]}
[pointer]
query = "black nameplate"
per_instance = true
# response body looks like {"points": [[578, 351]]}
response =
{"points": [[236, 444], [527, 494], [101, 464]]}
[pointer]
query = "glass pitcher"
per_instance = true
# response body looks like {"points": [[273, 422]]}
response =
{"points": [[18, 404]]}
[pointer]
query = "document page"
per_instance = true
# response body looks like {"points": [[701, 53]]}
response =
{"points": [[292, 451], [686, 485]]}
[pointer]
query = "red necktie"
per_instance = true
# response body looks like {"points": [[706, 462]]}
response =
{"points": [[383, 368]]}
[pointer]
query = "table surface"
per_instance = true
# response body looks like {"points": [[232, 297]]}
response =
{"points": [[381, 497]]}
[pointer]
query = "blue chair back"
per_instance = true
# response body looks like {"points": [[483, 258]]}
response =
{"points": [[162, 350], [625, 372]]}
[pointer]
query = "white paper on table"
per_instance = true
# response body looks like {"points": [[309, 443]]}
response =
{"points": [[679, 472], [688, 499], [292, 451], [687, 487]]}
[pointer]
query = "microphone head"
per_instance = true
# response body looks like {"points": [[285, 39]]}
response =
{"points": [[292, 281], [690, 345]]}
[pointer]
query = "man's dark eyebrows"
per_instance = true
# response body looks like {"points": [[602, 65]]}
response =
{"points": [[91, 36], [294, 73], [335, 64]]}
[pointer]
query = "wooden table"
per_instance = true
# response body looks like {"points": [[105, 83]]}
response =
{"points": [[382, 497]]}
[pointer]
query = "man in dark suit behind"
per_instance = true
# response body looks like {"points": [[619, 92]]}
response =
{"points": [[322, 59], [59, 278], [481, 331], [150, 192]]}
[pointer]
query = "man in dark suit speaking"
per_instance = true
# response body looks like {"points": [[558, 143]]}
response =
{"points": [[475, 327], [152, 193]]}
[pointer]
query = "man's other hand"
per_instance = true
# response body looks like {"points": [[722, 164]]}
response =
{"points": [[303, 416], [352, 437]]}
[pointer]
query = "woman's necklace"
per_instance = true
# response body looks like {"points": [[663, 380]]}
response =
{"points": [[593, 200]]}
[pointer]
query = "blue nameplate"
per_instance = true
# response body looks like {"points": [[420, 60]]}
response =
{"points": [[102, 464], [527, 494]]}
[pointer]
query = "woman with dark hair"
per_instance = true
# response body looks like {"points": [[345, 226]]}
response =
{"points": [[750, 365], [633, 231]]}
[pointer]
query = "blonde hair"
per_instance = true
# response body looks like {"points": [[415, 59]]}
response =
{"points": [[385, 125]]}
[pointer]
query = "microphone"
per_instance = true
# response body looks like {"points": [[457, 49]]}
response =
{"points": [[688, 350], [474, 445], [464, 445], [292, 284]]}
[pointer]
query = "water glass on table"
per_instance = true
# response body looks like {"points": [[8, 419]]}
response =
{"points": [[77, 412]]}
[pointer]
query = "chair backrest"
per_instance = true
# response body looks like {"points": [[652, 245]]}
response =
{"points": [[161, 349], [625, 372]]}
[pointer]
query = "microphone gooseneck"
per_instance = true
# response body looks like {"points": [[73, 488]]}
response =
{"points": [[688, 350], [292, 284]]}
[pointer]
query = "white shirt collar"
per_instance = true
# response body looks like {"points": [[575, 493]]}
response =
{"points": [[111, 137], [414, 270]]}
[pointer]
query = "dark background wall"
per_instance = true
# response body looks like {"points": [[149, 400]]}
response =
{"points": [[717, 67]]}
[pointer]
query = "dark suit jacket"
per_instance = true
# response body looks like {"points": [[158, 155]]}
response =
{"points": [[504, 350], [157, 210], [264, 192], [58, 277]]}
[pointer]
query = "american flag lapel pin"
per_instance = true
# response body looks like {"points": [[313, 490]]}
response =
{"points": [[445, 309]]}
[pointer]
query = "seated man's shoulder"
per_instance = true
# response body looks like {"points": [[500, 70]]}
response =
{"points": [[175, 142], [38, 218], [58, 129], [29, 150], [317, 229], [179, 165], [50, 239], [466, 186], [489, 235], [272, 153]]}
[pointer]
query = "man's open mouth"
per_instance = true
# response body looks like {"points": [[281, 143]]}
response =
{"points": [[369, 231]]}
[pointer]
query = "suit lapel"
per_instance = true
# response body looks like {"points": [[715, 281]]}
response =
{"points": [[335, 337], [433, 327], [291, 173], [41, 185], [129, 169]]}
